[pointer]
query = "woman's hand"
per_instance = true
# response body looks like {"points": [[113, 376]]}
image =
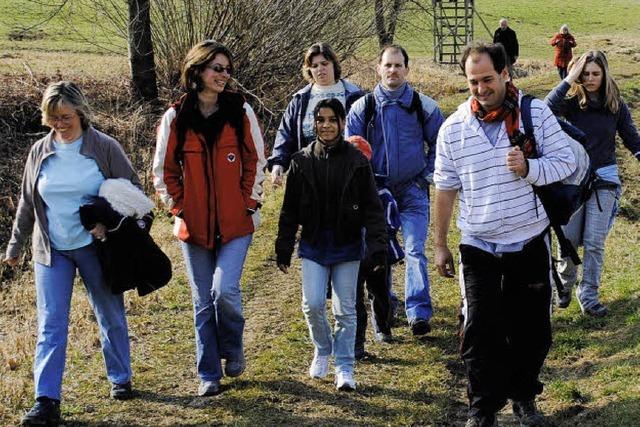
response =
{"points": [[576, 69], [99, 232], [11, 262]]}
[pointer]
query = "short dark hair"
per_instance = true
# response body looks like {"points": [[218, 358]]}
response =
{"points": [[397, 48], [334, 104], [320, 49], [495, 51]]}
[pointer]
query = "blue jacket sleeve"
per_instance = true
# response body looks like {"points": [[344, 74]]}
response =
{"points": [[556, 99], [628, 131], [355, 120], [286, 142], [430, 130]]}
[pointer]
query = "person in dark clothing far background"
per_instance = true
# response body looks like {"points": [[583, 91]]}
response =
{"points": [[507, 37]]}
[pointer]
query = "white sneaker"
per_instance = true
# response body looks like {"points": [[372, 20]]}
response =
{"points": [[345, 381], [319, 366]]}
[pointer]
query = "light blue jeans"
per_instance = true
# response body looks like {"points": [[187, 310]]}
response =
{"points": [[344, 281], [54, 286], [413, 203], [589, 227], [214, 277]]}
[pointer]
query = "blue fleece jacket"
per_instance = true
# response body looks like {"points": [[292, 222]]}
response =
{"points": [[403, 149]]}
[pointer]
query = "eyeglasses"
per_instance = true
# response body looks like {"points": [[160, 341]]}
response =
{"points": [[67, 118], [218, 68]]}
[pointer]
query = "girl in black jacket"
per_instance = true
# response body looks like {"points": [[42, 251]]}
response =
{"points": [[331, 193]]}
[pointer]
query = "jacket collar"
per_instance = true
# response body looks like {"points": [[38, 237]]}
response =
{"points": [[88, 142], [404, 99], [348, 88]]}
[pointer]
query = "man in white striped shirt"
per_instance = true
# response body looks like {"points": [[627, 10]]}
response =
{"points": [[482, 157]]}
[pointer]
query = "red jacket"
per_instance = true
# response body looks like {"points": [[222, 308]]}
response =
{"points": [[218, 185], [563, 44]]}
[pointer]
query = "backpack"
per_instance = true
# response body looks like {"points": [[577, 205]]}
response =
{"points": [[562, 199]]}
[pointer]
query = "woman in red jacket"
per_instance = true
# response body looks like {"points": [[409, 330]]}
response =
{"points": [[208, 170], [563, 42]]}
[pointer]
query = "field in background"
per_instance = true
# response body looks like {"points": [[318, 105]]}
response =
{"points": [[591, 371]]}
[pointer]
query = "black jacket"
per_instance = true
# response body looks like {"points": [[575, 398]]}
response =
{"points": [[509, 41], [358, 204], [129, 257]]}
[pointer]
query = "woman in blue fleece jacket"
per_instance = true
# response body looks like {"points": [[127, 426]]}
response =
{"points": [[590, 99]]}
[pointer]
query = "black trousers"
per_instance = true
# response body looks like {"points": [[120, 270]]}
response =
{"points": [[506, 323], [376, 285]]}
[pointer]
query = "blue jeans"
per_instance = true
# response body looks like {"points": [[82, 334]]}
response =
{"points": [[344, 278], [413, 203], [589, 227], [214, 277], [54, 286]]}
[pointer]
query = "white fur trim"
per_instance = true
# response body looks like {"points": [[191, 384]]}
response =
{"points": [[125, 198]]}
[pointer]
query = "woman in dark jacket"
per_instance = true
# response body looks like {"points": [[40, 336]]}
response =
{"points": [[563, 42], [321, 69], [331, 193], [589, 98]]}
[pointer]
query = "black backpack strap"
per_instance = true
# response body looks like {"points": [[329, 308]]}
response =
{"points": [[525, 115], [369, 109], [416, 105]]}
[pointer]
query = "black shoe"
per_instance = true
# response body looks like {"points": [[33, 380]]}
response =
{"points": [[420, 327], [45, 412], [597, 310], [482, 421], [121, 391], [528, 414], [564, 298], [364, 356]]}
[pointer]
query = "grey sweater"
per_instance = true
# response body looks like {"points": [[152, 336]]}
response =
{"points": [[30, 215]]}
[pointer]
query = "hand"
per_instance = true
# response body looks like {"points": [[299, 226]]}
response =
{"points": [[516, 162], [444, 261], [283, 268], [277, 172], [576, 69], [99, 232], [11, 262]]}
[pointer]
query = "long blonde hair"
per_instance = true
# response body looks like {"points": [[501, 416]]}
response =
{"points": [[609, 92]]}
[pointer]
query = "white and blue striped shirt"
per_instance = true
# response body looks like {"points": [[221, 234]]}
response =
{"points": [[496, 205]]}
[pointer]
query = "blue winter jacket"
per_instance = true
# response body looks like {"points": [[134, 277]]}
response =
{"points": [[289, 137], [403, 150]]}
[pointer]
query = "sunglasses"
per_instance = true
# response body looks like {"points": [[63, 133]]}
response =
{"points": [[220, 68]]}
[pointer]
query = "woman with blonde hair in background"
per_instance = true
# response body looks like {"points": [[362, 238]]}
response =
{"points": [[64, 170], [208, 170], [589, 99]]}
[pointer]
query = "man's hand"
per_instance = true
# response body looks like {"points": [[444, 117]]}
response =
{"points": [[444, 261], [517, 163], [99, 232], [277, 172], [283, 268], [11, 262]]}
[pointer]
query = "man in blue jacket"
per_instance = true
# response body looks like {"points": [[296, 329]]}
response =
{"points": [[402, 125]]}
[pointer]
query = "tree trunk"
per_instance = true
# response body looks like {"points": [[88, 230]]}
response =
{"points": [[386, 22], [141, 61]]}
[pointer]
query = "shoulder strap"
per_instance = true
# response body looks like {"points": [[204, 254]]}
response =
{"points": [[416, 105], [369, 108], [525, 115]]}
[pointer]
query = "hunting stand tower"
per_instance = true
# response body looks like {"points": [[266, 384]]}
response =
{"points": [[452, 29]]}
